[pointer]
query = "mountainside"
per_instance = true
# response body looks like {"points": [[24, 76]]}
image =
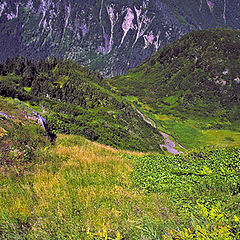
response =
{"points": [[186, 96], [190, 87], [58, 180], [78, 189], [72, 101], [108, 35], [199, 74]]}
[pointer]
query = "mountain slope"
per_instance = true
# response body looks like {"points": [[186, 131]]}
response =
{"points": [[20, 137], [195, 79], [199, 73], [72, 101], [80, 189], [77, 189], [108, 35]]}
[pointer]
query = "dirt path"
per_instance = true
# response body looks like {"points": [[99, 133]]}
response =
{"points": [[169, 144]]}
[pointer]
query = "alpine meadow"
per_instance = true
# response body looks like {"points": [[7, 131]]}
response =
{"points": [[120, 120]]}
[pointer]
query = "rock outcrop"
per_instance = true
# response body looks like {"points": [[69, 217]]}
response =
{"points": [[43, 122]]}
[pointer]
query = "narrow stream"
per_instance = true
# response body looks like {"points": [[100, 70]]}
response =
{"points": [[169, 144]]}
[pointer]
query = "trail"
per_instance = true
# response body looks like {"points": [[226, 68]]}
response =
{"points": [[169, 144]]}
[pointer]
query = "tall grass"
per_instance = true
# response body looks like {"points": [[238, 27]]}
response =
{"points": [[77, 190]]}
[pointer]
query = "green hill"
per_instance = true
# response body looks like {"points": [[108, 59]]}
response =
{"points": [[195, 82], [70, 186], [189, 90], [78, 189], [72, 101]]}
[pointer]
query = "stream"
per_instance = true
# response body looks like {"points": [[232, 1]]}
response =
{"points": [[169, 144]]}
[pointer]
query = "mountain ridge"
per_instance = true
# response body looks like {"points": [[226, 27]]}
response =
{"points": [[109, 36], [189, 90], [202, 64], [72, 100]]}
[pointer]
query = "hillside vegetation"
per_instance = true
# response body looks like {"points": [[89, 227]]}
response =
{"points": [[78, 189], [104, 176], [203, 184], [193, 82], [71, 99], [20, 137]]}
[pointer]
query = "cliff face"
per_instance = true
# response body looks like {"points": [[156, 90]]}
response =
{"points": [[108, 35]]}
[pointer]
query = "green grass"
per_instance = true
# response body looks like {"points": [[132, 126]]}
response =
{"points": [[27, 89], [77, 190], [220, 138], [191, 133], [192, 136], [204, 183]]}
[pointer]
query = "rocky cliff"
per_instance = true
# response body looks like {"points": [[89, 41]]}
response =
{"points": [[108, 35]]}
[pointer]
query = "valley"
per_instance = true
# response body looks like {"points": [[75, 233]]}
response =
{"points": [[151, 154], [75, 188], [190, 88]]}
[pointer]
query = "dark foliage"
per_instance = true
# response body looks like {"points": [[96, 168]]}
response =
{"points": [[77, 104], [197, 75]]}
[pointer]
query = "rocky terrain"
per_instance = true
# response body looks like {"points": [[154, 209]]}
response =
{"points": [[106, 35]]}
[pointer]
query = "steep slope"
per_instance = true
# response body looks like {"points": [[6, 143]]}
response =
{"points": [[20, 137], [77, 189], [71, 99], [196, 78], [108, 35], [198, 74]]}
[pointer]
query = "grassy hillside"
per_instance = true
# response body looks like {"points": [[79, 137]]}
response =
{"points": [[71, 99], [203, 184], [78, 189], [190, 86], [20, 137]]}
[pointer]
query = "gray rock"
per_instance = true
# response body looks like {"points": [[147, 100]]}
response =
{"points": [[4, 115], [43, 122]]}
